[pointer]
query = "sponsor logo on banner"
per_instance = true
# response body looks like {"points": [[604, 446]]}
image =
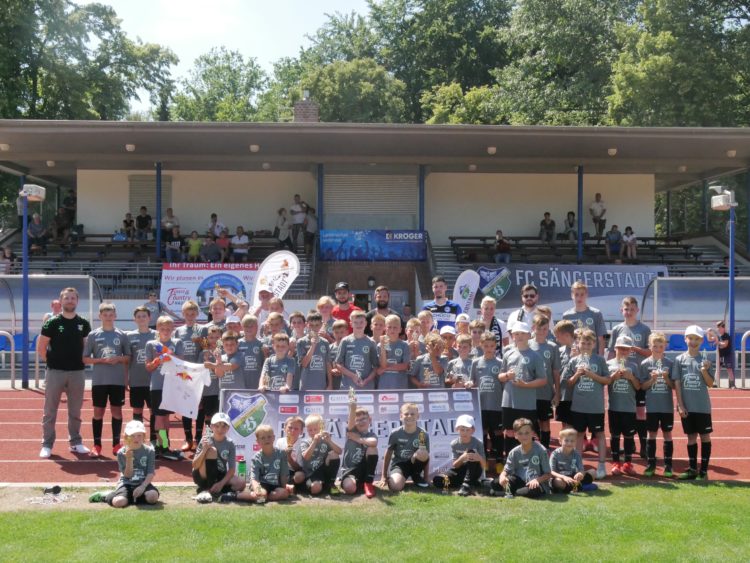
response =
{"points": [[276, 274], [338, 409], [462, 396], [371, 245], [313, 399], [494, 282], [437, 397], [314, 409], [289, 410], [465, 289], [388, 398], [413, 397], [440, 407], [468, 406], [333, 399], [364, 398], [286, 398], [388, 409]]}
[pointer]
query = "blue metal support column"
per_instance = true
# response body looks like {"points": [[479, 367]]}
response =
{"points": [[732, 218], [747, 207], [321, 187], [669, 213], [422, 176], [158, 210], [25, 296], [579, 251]]}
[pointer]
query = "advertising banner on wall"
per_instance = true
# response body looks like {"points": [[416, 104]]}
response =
{"points": [[607, 285], [372, 245], [438, 408], [198, 281]]}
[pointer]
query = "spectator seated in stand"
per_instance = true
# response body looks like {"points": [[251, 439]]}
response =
{"points": [[193, 244], [61, 226], [240, 246], [37, 235], [143, 224], [502, 248], [571, 227], [8, 260], [173, 245], [210, 252], [223, 243], [629, 244], [215, 226], [128, 227], [169, 221], [547, 229], [613, 242]]}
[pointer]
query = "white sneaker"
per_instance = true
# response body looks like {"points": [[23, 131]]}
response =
{"points": [[79, 449], [45, 452], [601, 470], [204, 497]]}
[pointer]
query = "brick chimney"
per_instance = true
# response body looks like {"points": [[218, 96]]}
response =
{"points": [[306, 110]]}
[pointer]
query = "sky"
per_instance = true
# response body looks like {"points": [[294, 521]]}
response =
{"points": [[266, 30]]}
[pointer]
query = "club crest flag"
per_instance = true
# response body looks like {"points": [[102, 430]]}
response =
{"points": [[276, 274], [183, 386], [494, 282], [465, 289]]}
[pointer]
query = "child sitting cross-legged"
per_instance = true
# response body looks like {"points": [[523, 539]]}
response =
{"points": [[214, 464], [566, 464]]}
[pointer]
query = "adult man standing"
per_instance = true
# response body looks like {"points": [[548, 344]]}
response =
{"points": [[298, 211], [529, 300], [382, 307], [61, 347], [598, 210], [343, 308], [444, 311]]}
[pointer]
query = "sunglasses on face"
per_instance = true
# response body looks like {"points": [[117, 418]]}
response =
{"points": [[530, 296]]}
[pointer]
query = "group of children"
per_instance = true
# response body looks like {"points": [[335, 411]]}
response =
{"points": [[520, 387]]}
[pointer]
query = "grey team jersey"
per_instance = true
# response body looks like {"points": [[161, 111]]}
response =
{"points": [[359, 355], [276, 370], [484, 374], [354, 452], [659, 396], [566, 392], [403, 444], [226, 453], [528, 465], [252, 353], [395, 353], [551, 357], [191, 351], [639, 332], [138, 376], [157, 377], [144, 460], [621, 391], [460, 368], [458, 448], [232, 379], [528, 366], [268, 470], [588, 395], [425, 373], [590, 318], [107, 344], [213, 389], [566, 464], [318, 458], [315, 375], [686, 372]]}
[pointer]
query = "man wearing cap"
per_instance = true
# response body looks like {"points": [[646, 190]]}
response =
{"points": [[382, 307], [343, 308], [692, 377], [469, 461], [444, 311]]}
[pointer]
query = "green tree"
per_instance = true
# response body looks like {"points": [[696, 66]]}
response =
{"points": [[356, 91], [447, 103], [222, 86], [343, 37], [276, 103]]}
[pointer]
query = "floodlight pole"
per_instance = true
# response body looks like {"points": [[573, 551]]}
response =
{"points": [[25, 294], [158, 211]]}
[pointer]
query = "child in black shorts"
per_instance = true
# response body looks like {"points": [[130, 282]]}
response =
{"points": [[214, 464], [408, 453]]}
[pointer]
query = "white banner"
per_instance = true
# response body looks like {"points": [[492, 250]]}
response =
{"points": [[183, 386], [465, 289], [276, 274], [183, 281]]}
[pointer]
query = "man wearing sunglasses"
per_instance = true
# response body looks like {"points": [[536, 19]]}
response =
{"points": [[529, 302]]}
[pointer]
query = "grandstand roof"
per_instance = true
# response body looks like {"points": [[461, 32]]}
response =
{"points": [[676, 156]]}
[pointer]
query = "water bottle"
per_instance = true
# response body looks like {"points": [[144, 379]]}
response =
{"points": [[241, 467]]}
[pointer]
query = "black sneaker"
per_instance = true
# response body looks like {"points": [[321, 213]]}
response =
{"points": [[228, 497], [170, 455], [420, 482], [689, 475], [465, 490]]}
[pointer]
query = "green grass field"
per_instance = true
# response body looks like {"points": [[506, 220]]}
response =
{"points": [[653, 522]]}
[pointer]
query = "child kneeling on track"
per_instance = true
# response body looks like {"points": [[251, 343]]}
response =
{"points": [[360, 451], [527, 470], [408, 453], [214, 464], [269, 472], [136, 463], [318, 457], [566, 465], [469, 462]]}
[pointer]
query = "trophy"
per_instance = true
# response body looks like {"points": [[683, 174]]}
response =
{"points": [[658, 366], [260, 493], [422, 440], [584, 361], [579, 322], [289, 442], [446, 484], [508, 491], [267, 382], [352, 396]]}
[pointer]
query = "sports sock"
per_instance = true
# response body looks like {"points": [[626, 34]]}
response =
{"points": [[332, 469], [371, 463], [138, 416], [668, 452], [629, 449], [693, 456], [152, 427], [705, 455], [164, 438], [97, 424], [187, 426], [614, 445], [116, 430], [651, 446], [640, 428], [544, 438]]}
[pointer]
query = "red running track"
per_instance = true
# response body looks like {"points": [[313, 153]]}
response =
{"points": [[21, 431]]}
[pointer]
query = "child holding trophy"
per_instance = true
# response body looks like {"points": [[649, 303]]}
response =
{"points": [[408, 453], [469, 462], [318, 457], [215, 462], [428, 371], [622, 402], [360, 451], [279, 368], [568, 473], [269, 472], [527, 469]]}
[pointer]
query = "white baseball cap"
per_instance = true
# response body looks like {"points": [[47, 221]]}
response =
{"points": [[447, 329], [465, 420], [694, 330], [520, 326], [463, 318], [233, 319], [221, 417], [624, 341], [133, 427]]}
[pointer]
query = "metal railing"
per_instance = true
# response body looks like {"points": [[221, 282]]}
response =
{"points": [[12, 341], [743, 359]]}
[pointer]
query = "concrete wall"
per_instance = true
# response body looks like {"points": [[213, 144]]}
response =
{"points": [[478, 204], [239, 198]]}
